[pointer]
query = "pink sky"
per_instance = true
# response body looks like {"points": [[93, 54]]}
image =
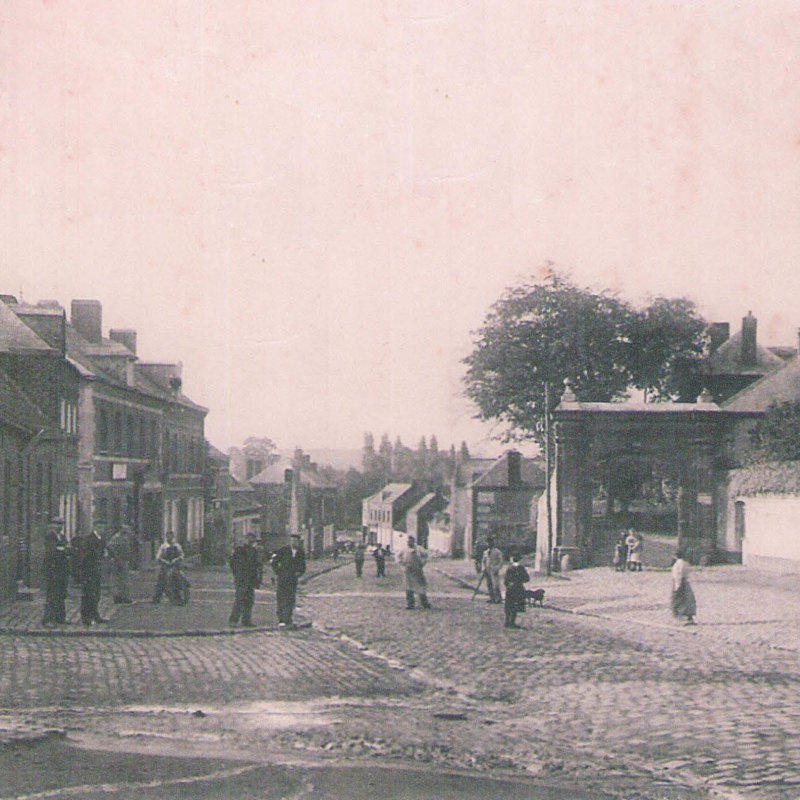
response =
{"points": [[313, 204]]}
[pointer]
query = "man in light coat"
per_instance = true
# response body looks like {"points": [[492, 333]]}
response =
{"points": [[491, 564], [412, 559]]}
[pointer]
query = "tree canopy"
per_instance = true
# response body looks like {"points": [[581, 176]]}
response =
{"points": [[776, 436], [547, 332]]}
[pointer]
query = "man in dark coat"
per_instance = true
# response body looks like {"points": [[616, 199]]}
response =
{"points": [[56, 570], [246, 569], [92, 552], [358, 558], [380, 561], [288, 563]]}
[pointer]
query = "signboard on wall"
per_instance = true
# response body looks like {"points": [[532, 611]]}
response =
{"points": [[119, 472]]}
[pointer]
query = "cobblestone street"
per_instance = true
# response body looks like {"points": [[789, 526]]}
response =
{"points": [[615, 695]]}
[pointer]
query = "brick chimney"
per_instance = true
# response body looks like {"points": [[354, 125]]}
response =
{"points": [[124, 336], [87, 319], [749, 324], [514, 458], [718, 334]]}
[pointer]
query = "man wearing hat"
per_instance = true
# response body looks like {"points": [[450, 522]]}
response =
{"points": [[246, 569], [288, 563], [92, 552], [56, 570]]}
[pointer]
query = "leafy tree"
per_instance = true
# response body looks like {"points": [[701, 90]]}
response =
{"points": [[776, 436], [551, 331], [668, 340]]}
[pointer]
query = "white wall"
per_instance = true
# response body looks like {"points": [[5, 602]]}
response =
{"points": [[772, 531], [440, 539]]}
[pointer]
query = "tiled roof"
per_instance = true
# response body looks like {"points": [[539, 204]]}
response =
{"points": [[777, 387], [16, 336]]}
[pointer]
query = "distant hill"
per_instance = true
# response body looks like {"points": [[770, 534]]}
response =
{"points": [[338, 458]]}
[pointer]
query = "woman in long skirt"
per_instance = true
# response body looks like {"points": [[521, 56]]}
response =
{"points": [[684, 605]]}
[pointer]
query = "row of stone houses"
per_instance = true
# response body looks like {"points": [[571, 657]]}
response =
{"points": [[90, 433], [485, 497]]}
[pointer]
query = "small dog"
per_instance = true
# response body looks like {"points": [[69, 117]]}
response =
{"points": [[535, 597]]}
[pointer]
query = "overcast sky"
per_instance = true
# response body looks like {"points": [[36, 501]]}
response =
{"points": [[312, 204]]}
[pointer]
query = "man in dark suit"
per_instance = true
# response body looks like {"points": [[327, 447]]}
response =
{"points": [[92, 552], [56, 569], [246, 568], [288, 563]]}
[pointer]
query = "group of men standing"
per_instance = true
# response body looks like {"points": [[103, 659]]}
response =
{"points": [[288, 563], [87, 561]]}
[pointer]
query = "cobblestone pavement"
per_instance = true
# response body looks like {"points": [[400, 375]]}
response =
{"points": [[719, 701], [615, 692]]}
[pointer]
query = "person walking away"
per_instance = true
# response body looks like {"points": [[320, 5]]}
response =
{"points": [[412, 559], [92, 552], [246, 568], [119, 551], [491, 564], [358, 558], [515, 579], [630, 543], [288, 563], [169, 557], [620, 554], [380, 561], [56, 570], [684, 605]]}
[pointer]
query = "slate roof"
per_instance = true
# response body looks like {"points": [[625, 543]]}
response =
{"points": [[531, 474], [776, 387], [390, 493], [727, 359], [17, 410], [274, 474], [773, 477], [16, 336]]}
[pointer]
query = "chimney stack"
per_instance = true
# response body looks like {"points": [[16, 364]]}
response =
{"points": [[514, 467], [749, 324], [87, 319], [124, 336]]}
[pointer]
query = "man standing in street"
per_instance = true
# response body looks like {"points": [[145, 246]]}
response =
{"points": [[358, 558], [288, 563], [491, 564], [119, 551], [56, 570], [246, 569], [413, 559], [380, 561], [92, 552], [169, 558]]}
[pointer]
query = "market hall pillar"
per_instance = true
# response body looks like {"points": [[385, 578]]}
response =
{"points": [[696, 523], [573, 493]]}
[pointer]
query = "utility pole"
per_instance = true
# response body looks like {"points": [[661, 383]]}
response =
{"points": [[549, 567]]}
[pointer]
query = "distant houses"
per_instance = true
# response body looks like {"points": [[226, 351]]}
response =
{"points": [[485, 497]]}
